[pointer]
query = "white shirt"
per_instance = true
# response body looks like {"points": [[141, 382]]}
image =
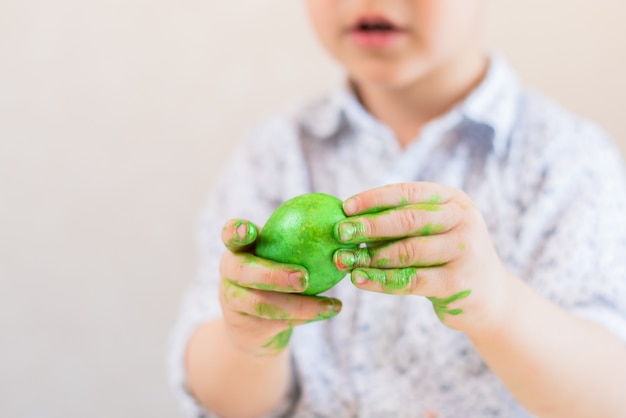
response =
{"points": [[550, 186]]}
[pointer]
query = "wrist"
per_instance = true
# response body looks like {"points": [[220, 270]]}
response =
{"points": [[505, 312], [266, 347]]}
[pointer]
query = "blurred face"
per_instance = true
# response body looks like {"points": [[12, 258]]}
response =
{"points": [[395, 43]]}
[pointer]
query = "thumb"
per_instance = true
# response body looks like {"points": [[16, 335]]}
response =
{"points": [[239, 235]]}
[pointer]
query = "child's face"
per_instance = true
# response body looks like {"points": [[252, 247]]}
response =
{"points": [[394, 43]]}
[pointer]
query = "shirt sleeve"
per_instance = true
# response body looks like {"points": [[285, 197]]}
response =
{"points": [[575, 229], [251, 187]]}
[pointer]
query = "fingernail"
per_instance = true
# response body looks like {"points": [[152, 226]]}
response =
{"points": [[298, 280], [359, 277], [245, 232], [345, 231], [241, 231], [350, 207], [330, 308], [344, 259]]}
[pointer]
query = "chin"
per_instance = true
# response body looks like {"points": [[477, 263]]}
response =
{"points": [[387, 75]]}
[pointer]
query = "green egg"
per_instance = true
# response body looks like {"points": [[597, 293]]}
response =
{"points": [[300, 231]]}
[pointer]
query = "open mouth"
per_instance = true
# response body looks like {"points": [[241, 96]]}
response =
{"points": [[375, 26], [375, 32]]}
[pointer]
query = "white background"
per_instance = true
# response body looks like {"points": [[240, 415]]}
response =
{"points": [[115, 119]]}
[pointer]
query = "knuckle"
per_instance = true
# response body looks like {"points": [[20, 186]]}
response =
{"points": [[369, 228], [465, 221], [410, 191], [301, 308], [364, 256], [409, 219], [407, 252], [272, 276], [253, 300], [472, 222]]}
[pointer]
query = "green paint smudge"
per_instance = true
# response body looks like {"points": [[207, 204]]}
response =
{"points": [[267, 310], [232, 290], [441, 304], [462, 247], [279, 341], [435, 199], [349, 231], [264, 286], [404, 201], [383, 262], [248, 237], [430, 229], [428, 207], [375, 209], [253, 261], [249, 260], [390, 280], [332, 307], [348, 259]]}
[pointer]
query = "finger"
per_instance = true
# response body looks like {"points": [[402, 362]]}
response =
{"points": [[295, 309], [426, 251], [394, 195], [400, 222], [248, 270], [239, 234], [430, 282]]}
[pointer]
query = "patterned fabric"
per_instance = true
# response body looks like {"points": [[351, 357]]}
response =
{"points": [[552, 190]]}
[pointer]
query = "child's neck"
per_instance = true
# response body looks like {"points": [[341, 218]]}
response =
{"points": [[406, 110]]}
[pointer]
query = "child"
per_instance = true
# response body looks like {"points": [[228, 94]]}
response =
{"points": [[497, 285]]}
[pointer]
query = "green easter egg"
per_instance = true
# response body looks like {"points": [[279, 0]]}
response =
{"points": [[300, 231]]}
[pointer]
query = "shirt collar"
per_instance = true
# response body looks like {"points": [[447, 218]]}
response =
{"points": [[494, 103]]}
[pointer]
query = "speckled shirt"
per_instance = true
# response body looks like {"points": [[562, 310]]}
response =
{"points": [[550, 186]]}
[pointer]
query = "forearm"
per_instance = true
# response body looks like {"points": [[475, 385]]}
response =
{"points": [[230, 382], [554, 364]]}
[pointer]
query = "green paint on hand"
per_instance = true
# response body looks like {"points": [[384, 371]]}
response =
{"points": [[462, 247], [232, 290], [391, 280], [375, 209], [435, 199], [332, 307], [250, 260], [279, 341], [244, 233], [383, 262], [441, 304], [269, 311], [428, 207], [430, 229], [346, 260], [253, 261], [265, 286], [348, 231], [404, 201]]}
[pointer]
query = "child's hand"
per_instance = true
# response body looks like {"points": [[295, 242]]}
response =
{"points": [[429, 240], [260, 298]]}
